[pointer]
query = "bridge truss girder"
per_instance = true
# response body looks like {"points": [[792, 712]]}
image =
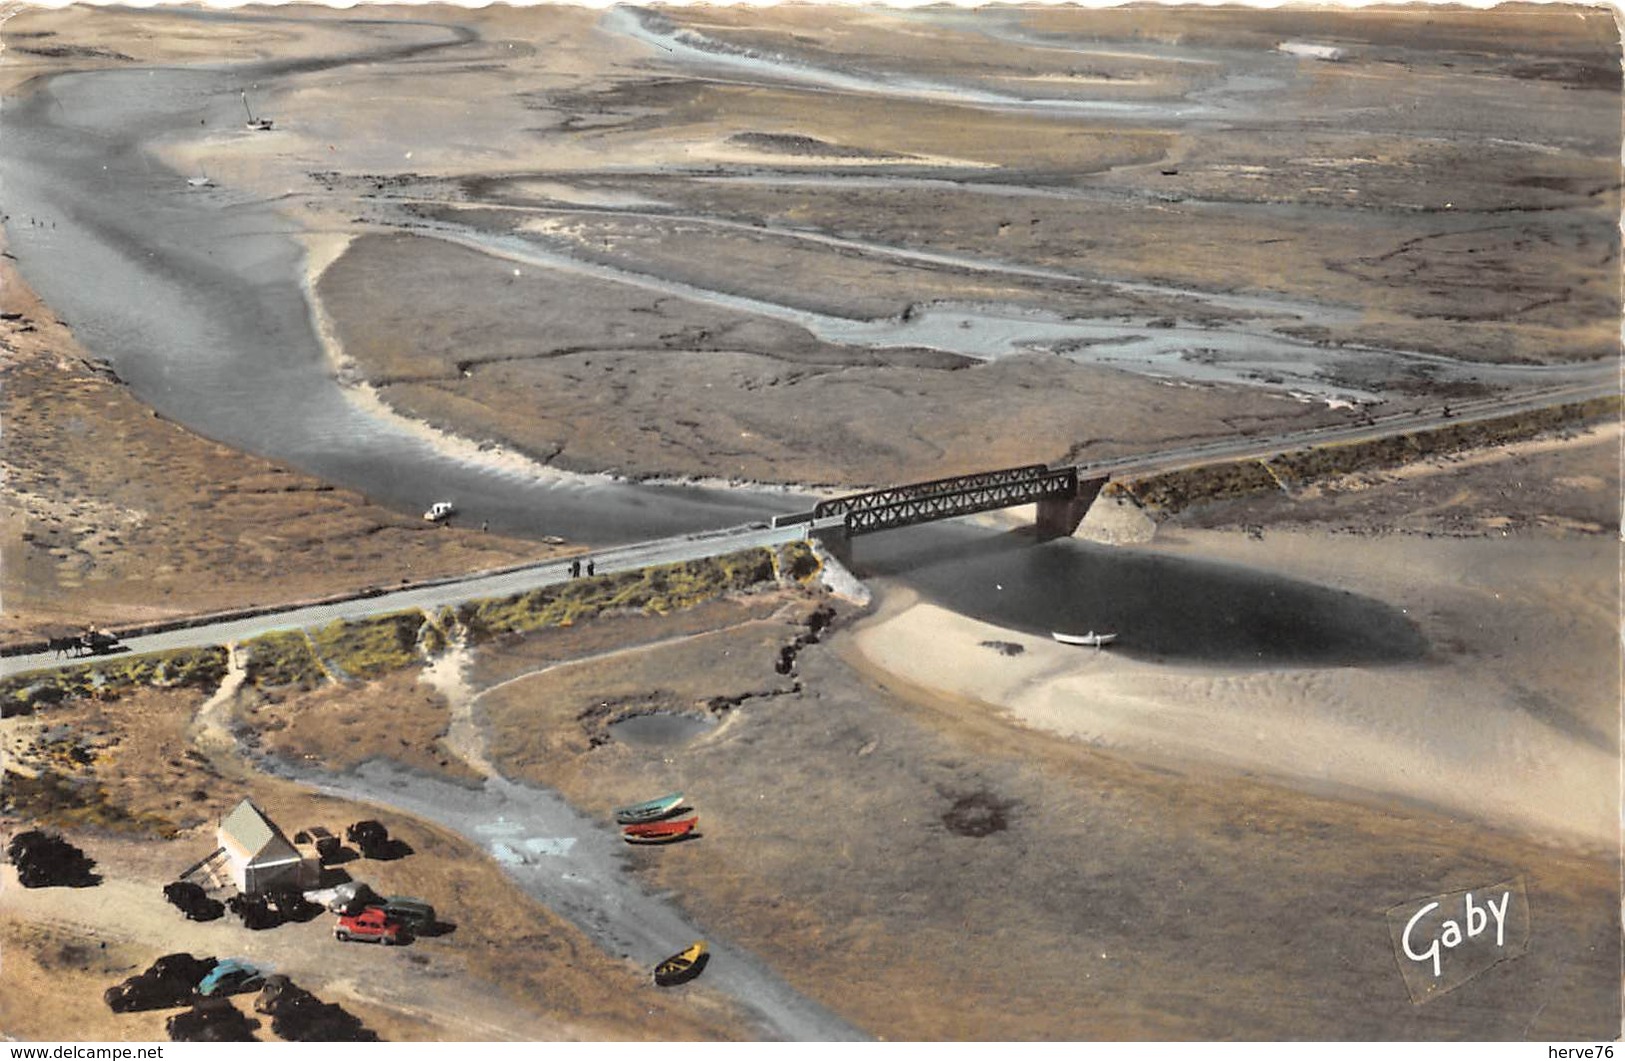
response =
{"points": [[962, 496], [896, 495]]}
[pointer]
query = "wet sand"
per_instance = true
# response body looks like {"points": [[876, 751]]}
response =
{"points": [[1507, 714], [1428, 735]]}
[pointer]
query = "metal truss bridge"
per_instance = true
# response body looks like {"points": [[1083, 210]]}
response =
{"points": [[959, 495]]}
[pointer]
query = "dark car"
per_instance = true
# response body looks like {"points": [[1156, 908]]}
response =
{"points": [[171, 981], [255, 910], [415, 915], [299, 1016], [212, 1020], [193, 901], [278, 989], [327, 845], [45, 860], [370, 836]]}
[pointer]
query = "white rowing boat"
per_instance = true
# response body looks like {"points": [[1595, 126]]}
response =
{"points": [[1091, 639]]}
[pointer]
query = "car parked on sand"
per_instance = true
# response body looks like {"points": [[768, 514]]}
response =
{"points": [[326, 845], [372, 837], [211, 1020], [352, 897], [193, 901], [370, 926], [229, 977], [170, 981], [415, 915]]}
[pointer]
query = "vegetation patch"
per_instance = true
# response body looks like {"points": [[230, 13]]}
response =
{"points": [[49, 798], [1168, 493], [797, 562], [282, 658], [655, 590], [337, 725], [108, 679], [367, 648]]}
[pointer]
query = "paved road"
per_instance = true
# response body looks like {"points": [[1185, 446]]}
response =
{"points": [[474, 587], [695, 546], [1606, 385]]}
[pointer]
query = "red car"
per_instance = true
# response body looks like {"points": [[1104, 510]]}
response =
{"points": [[370, 926]]}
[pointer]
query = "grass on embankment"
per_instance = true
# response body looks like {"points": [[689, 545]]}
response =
{"points": [[659, 590], [106, 678], [371, 647], [367, 648], [1167, 493]]}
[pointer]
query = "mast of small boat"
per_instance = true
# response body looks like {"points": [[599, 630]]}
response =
{"points": [[247, 108]]}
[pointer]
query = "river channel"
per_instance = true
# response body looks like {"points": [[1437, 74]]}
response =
{"points": [[195, 297]]}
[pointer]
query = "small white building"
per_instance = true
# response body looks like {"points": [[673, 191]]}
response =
{"points": [[258, 857]]}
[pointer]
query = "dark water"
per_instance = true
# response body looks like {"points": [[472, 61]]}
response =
{"points": [[659, 730], [1161, 607]]}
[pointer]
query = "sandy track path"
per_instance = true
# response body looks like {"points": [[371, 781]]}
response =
{"points": [[571, 864], [578, 869]]}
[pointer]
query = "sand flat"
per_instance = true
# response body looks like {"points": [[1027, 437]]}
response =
{"points": [[1452, 732]]}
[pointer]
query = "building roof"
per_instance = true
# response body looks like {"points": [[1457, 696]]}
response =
{"points": [[251, 832]]}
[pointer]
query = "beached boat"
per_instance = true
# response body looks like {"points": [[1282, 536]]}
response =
{"points": [[673, 826], [659, 832], [650, 810], [1091, 638], [440, 511], [682, 966], [262, 125]]}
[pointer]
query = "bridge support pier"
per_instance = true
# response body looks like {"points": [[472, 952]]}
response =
{"points": [[837, 542], [1058, 517]]}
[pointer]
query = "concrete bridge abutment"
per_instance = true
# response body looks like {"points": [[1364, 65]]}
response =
{"points": [[1058, 517], [837, 542]]}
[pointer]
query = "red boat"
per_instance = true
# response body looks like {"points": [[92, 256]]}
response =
{"points": [[659, 832]]}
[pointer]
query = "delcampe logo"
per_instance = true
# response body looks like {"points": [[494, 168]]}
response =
{"points": [[1443, 941]]}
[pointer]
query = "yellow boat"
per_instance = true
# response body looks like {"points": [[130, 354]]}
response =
{"points": [[683, 966]]}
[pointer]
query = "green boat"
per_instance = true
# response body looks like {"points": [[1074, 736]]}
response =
{"points": [[650, 810]]}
